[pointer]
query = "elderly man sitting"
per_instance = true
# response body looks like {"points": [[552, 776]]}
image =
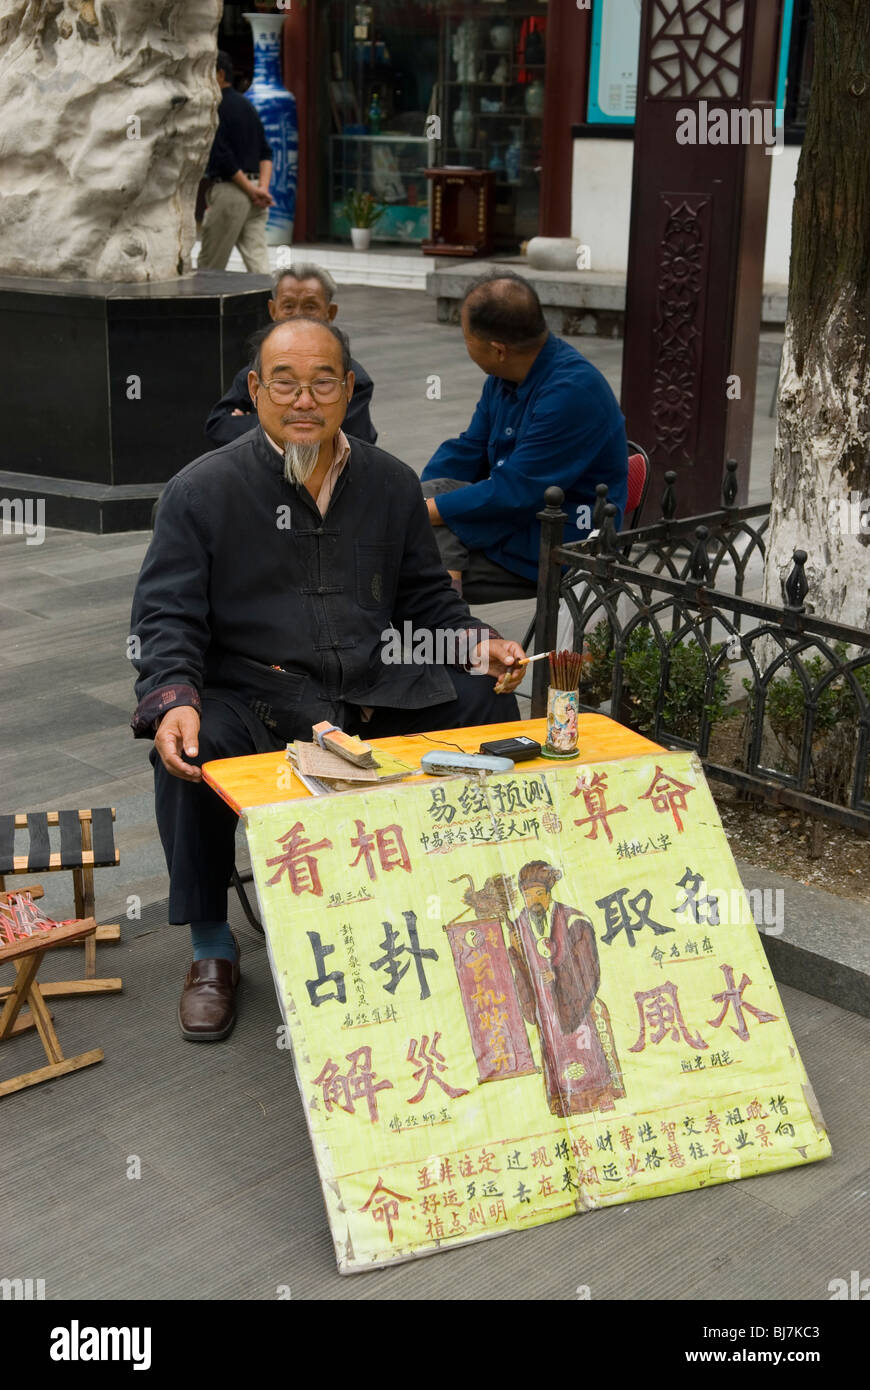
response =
{"points": [[278, 566], [305, 291], [546, 417]]}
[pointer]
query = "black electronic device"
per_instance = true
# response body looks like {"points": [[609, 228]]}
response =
{"points": [[518, 748]]}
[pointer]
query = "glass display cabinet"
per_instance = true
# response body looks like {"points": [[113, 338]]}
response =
{"points": [[392, 168], [490, 99]]}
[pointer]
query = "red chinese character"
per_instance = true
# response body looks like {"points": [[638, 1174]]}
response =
{"points": [[626, 1137], [665, 794], [497, 1211], [580, 1147], [712, 1123], [358, 1083], [720, 1147], [390, 846], [754, 1111], [545, 1187], [425, 1178], [733, 994], [298, 862], [594, 801], [428, 1057], [764, 1136], [540, 1158], [486, 1162], [660, 1008], [384, 1205], [633, 1166]]}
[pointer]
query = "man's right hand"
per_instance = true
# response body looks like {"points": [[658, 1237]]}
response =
{"points": [[177, 733]]}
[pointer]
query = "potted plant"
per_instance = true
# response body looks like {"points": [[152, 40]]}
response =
{"points": [[363, 213]]}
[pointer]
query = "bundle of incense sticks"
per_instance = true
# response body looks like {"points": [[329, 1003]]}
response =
{"points": [[565, 668]]}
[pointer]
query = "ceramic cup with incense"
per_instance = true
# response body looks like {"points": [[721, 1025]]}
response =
{"points": [[563, 705]]}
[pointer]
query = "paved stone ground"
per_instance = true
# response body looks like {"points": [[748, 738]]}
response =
{"points": [[228, 1205]]}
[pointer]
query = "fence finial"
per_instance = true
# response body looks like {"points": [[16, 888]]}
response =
{"points": [[598, 509], [797, 586], [669, 497], [609, 540], [554, 497], [729, 483], [699, 565]]}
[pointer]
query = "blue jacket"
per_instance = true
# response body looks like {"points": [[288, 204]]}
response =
{"points": [[561, 426]]}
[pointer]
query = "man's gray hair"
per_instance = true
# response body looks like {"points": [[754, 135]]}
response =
{"points": [[306, 270], [258, 340]]}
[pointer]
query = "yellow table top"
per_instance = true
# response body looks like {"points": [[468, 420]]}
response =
{"points": [[257, 781]]}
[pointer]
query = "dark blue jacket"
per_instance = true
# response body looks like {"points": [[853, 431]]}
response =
{"points": [[561, 426]]}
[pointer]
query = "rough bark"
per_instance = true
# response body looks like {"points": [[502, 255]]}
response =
{"points": [[821, 469], [107, 115]]}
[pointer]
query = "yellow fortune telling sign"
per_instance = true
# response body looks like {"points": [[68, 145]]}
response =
{"points": [[516, 1000]]}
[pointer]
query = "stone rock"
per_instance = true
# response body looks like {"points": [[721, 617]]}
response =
{"points": [[552, 253], [108, 111]]}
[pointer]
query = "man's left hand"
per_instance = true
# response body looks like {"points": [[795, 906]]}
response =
{"points": [[499, 658]]}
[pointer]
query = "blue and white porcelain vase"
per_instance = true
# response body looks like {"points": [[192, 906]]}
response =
{"points": [[514, 155], [277, 110]]}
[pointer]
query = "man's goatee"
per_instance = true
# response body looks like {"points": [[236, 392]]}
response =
{"points": [[300, 461]]}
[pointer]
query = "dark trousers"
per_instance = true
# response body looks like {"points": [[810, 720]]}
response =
{"points": [[483, 580], [197, 828]]}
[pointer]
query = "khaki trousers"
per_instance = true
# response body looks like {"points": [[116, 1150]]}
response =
{"points": [[231, 219]]}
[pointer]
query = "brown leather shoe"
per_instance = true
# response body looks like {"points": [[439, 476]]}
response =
{"points": [[207, 1009]]}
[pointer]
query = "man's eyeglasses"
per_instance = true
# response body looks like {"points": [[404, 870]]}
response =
{"points": [[326, 389]]}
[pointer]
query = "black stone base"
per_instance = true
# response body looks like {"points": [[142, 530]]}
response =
{"points": [[73, 506], [107, 387]]}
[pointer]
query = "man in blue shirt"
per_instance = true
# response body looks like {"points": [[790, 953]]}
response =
{"points": [[546, 417]]}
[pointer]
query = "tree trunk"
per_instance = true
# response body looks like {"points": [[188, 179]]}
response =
{"points": [[106, 119], [821, 467]]}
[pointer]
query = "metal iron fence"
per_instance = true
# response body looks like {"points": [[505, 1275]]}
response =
{"points": [[645, 609]]}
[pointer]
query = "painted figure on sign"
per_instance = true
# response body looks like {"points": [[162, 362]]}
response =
{"points": [[555, 963]]}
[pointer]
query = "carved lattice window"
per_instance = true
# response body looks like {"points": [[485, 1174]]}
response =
{"points": [[696, 47]]}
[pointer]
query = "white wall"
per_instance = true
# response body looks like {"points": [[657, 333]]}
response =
{"points": [[601, 202], [777, 248]]}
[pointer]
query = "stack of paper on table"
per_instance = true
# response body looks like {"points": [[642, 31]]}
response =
{"points": [[323, 772]]}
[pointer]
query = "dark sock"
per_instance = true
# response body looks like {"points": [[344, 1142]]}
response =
{"points": [[212, 941]]}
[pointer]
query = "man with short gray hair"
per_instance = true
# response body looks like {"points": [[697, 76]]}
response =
{"points": [[301, 291], [546, 418], [280, 564]]}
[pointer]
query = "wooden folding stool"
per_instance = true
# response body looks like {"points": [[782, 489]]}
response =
{"points": [[87, 841], [26, 955]]}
